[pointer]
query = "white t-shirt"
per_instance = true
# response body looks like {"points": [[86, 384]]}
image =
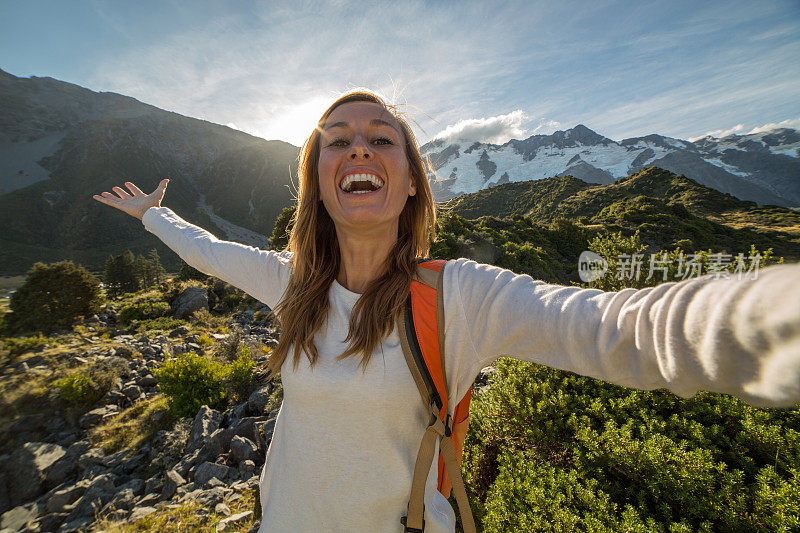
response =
{"points": [[345, 443]]}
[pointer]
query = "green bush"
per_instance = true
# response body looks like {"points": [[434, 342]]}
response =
{"points": [[241, 379], [160, 323], [549, 450], [146, 310], [231, 301], [88, 387], [190, 381], [52, 297], [79, 389]]}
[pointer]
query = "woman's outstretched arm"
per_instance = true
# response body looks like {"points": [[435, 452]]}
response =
{"points": [[740, 337], [263, 274]]}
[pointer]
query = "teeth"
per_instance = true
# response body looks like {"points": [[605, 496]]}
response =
{"points": [[348, 181]]}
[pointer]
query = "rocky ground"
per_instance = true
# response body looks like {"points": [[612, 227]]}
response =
{"points": [[55, 479]]}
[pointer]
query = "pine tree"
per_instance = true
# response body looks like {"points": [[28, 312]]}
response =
{"points": [[111, 276], [158, 270], [127, 272]]}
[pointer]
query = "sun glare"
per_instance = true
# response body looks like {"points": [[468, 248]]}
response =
{"points": [[293, 123]]}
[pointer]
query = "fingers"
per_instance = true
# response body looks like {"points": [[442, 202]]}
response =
{"points": [[108, 200], [134, 189], [121, 192]]}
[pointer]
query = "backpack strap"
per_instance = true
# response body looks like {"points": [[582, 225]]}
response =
{"points": [[421, 332]]}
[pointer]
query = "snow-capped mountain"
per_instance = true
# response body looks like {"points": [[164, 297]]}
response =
{"points": [[761, 167]]}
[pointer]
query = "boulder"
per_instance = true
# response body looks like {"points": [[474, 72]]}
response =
{"points": [[147, 381], [95, 416], [247, 469], [209, 470], [18, 518], [136, 485], [133, 392], [180, 331], [172, 481], [123, 500], [257, 402], [190, 300], [31, 462], [51, 522], [141, 512], [66, 496], [210, 497], [61, 470], [218, 443], [229, 523], [205, 423], [243, 449]]}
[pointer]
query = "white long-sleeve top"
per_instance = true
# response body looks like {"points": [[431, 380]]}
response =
{"points": [[345, 443]]}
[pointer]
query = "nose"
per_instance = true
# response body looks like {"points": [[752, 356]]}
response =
{"points": [[359, 149]]}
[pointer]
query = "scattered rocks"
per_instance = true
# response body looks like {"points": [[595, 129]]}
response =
{"points": [[210, 458]]}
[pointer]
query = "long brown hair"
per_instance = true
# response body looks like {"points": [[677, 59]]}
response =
{"points": [[316, 260]]}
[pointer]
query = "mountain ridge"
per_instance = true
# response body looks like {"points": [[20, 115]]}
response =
{"points": [[63, 143], [760, 167]]}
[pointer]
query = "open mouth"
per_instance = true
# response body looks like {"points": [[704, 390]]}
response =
{"points": [[361, 183]]}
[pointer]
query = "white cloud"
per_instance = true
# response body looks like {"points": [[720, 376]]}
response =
{"points": [[546, 127], [788, 123], [718, 134], [271, 67], [267, 71], [494, 130], [739, 129]]}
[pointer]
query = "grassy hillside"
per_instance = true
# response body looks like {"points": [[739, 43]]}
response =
{"points": [[669, 210]]}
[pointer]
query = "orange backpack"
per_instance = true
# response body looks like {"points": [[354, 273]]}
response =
{"points": [[421, 331]]}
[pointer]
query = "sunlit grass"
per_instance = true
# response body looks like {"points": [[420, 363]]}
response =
{"points": [[186, 517], [133, 426]]}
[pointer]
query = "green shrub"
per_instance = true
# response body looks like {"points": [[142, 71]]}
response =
{"points": [[143, 311], [52, 297], [160, 323], [241, 379], [205, 340], [231, 301], [88, 387], [549, 450], [190, 381]]}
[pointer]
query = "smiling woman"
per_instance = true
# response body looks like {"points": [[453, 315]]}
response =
{"points": [[345, 453]]}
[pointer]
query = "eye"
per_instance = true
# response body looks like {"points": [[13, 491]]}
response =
{"points": [[382, 140], [338, 142]]}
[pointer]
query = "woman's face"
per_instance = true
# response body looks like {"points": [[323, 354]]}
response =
{"points": [[364, 175]]}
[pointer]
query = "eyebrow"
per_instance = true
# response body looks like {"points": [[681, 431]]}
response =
{"points": [[373, 122]]}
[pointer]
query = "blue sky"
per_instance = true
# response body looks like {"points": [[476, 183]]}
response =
{"points": [[482, 70]]}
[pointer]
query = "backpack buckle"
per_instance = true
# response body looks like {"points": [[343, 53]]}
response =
{"points": [[412, 529]]}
